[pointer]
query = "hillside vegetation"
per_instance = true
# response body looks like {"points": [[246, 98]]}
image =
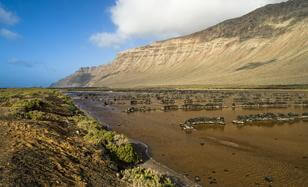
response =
{"points": [[46, 140]]}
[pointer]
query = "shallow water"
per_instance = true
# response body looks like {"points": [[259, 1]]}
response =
{"points": [[222, 156]]}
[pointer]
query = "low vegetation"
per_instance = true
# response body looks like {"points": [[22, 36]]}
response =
{"points": [[47, 140], [117, 144], [139, 176]]}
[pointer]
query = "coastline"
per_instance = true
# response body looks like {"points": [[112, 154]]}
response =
{"points": [[151, 163], [143, 150], [208, 155]]}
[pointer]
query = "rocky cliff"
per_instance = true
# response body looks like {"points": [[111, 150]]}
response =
{"points": [[268, 46]]}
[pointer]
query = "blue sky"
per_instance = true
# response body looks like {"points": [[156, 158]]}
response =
{"points": [[42, 41], [53, 40]]}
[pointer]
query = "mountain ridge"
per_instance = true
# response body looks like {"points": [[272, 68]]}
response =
{"points": [[218, 55]]}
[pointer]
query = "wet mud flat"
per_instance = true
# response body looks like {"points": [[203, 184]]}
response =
{"points": [[255, 154]]}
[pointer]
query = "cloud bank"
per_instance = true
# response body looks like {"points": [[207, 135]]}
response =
{"points": [[160, 19]]}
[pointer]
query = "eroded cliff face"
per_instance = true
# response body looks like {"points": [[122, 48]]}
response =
{"points": [[79, 79], [268, 46]]}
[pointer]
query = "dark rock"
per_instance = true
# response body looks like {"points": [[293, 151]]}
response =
{"points": [[213, 182], [268, 179]]}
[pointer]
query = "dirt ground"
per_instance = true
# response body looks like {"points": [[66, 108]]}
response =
{"points": [[39, 154]]}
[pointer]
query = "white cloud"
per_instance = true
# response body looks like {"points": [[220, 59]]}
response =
{"points": [[7, 17], [9, 34], [107, 39], [168, 18]]}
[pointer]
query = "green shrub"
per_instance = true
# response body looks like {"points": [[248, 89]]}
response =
{"points": [[20, 108], [29, 105], [36, 115], [86, 123], [43, 116], [122, 151], [139, 176], [117, 144], [125, 152], [99, 136], [72, 108]]}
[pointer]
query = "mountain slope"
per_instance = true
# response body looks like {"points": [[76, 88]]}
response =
{"points": [[268, 46]]}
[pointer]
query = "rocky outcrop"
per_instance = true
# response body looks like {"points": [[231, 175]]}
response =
{"points": [[268, 46], [80, 78]]}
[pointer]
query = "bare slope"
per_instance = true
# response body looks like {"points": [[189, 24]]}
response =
{"points": [[268, 46], [47, 141]]}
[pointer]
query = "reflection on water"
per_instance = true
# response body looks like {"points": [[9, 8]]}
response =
{"points": [[227, 155]]}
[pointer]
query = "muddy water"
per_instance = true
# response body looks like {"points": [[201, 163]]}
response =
{"points": [[222, 156]]}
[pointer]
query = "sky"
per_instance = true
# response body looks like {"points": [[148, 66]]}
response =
{"points": [[42, 41]]}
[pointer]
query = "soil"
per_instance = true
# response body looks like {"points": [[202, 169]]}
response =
{"points": [[46, 153]]}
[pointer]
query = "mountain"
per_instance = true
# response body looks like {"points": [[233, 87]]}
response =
{"points": [[268, 46]]}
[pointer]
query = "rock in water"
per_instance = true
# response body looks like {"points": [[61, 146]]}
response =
{"points": [[268, 179]]}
